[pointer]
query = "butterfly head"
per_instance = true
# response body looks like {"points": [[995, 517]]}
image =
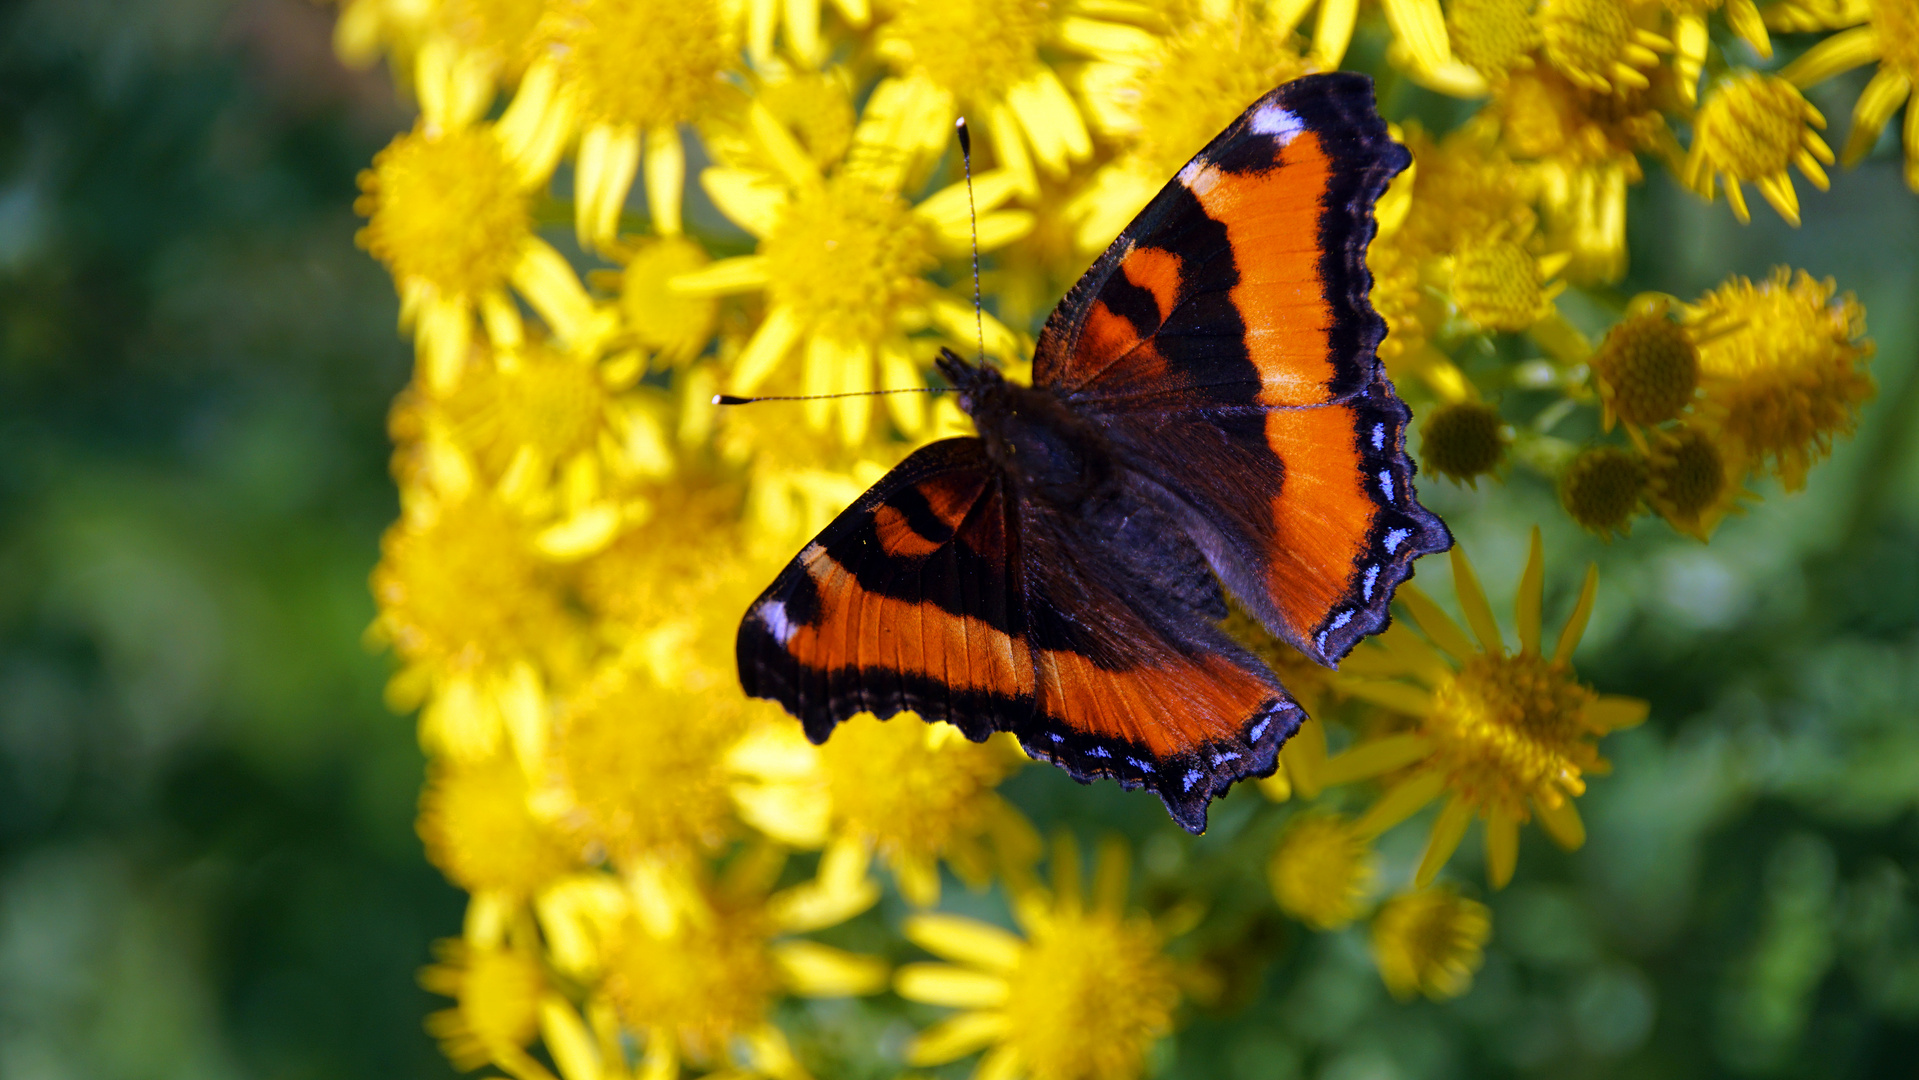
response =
{"points": [[975, 383]]}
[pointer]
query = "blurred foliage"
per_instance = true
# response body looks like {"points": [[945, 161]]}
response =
{"points": [[207, 860]]}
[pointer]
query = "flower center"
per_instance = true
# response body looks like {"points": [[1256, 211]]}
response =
{"points": [[847, 257], [1203, 77], [1508, 726], [706, 981], [1430, 942], [1751, 127], [969, 47], [1651, 366], [1493, 35], [1462, 440], [475, 824], [648, 63], [1321, 871], [1585, 38], [677, 325], [890, 785], [1497, 286], [1690, 474], [1090, 997], [1897, 24], [463, 591], [1603, 487], [447, 210]]}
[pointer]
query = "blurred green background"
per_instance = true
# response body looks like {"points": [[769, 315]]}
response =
{"points": [[207, 864]]}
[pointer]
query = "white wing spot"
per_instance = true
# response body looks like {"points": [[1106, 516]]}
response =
{"points": [[1259, 729], [1396, 537], [1099, 751], [1191, 778], [1056, 736], [773, 614], [1221, 759], [1138, 764], [1386, 483], [1379, 436], [1366, 589], [1270, 119], [1341, 619], [1199, 176]]}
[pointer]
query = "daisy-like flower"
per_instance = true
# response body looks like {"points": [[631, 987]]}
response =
{"points": [[983, 58], [668, 329], [1647, 368], [1882, 30], [1501, 286], [842, 261], [497, 1012], [913, 793], [449, 212], [636, 769], [478, 830], [1602, 488], [1597, 44], [693, 967], [1419, 31], [473, 611], [1789, 373], [1505, 735], [1493, 36], [1692, 38], [1085, 994], [629, 74], [1463, 440], [1430, 942], [1691, 482], [1752, 127], [1322, 870], [1164, 91]]}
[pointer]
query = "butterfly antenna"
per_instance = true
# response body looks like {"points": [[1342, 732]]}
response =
{"points": [[730, 399], [972, 215]]}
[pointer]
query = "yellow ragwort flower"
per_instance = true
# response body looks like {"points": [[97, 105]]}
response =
{"points": [[449, 212], [1493, 37], [1690, 481], [1752, 127], [1322, 871], [911, 792], [628, 73], [1085, 995], [1602, 488], [1788, 373], [843, 262], [1430, 942], [498, 993], [1890, 35], [669, 329], [1508, 735], [1597, 44], [1501, 286], [982, 58], [478, 830], [1647, 368], [1463, 441]]}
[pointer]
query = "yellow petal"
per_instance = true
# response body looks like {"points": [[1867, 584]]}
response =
{"points": [[1000, 1063], [803, 30], [1051, 120], [1615, 713], [1479, 614], [1582, 612], [762, 19], [567, 1039], [813, 905], [1400, 802], [1448, 830], [1002, 126], [1305, 758], [768, 346], [665, 178], [1744, 18], [1375, 757], [1841, 52], [1877, 102], [897, 370], [1532, 583], [1421, 26], [442, 335], [968, 941], [548, 282], [814, 970], [856, 377], [1561, 821], [788, 156], [1334, 31], [796, 814], [1779, 191], [537, 123], [1402, 698], [1105, 39], [955, 1037], [947, 208], [602, 175], [1502, 848], [722, 277], [583, 534], [943, 984], [1437, 625]]}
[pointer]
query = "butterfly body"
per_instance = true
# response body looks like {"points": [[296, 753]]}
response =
{"points": [[1207, 417]]}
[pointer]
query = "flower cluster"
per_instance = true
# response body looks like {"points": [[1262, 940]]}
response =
{"points": [[610, 210]]}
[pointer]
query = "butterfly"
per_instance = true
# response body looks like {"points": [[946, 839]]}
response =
{"points": [[1207, 416]]}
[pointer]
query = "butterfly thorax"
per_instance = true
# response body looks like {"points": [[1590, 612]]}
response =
{"points": [[1047, 448]]}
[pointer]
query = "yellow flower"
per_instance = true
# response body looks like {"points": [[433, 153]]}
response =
{"points": [[1086, 994], [911, 792], [1597, 45], [1500, 286], [693, 967], [982, 57], [669, 328], [1430, 942], [629, 73], [1890, 35], [478, 830], [1463, 441], [1647, 367], [449, 212], [498, 991], [1509, 735], [1690, 481], [1752, 127], [1692, 38], [1494, 36], [636, 769], [1602, 488], [843, 262], [497, 34], [1789, 373], [1322, 871], [1163, 96]]}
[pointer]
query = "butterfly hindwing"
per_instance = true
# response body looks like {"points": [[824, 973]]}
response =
{"points": [[907, 601], [1225, 343]]}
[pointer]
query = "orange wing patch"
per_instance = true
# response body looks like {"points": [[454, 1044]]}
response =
{"points": [[1322, 516], [1170, 710]]}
